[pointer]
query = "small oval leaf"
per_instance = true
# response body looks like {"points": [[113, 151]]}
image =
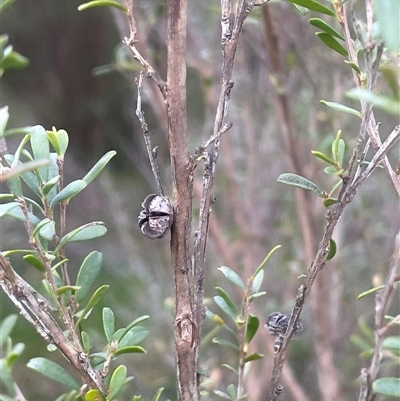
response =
{"points": [[299, 181], [53, 371], [387, 386], [332, 249], [88, 273], [232, 276], [253, 357], [131, 349], [117, 381], [108, 323], [342, 107], [67, 193], [225, 343], [252, 327], [315, 6], [96, 297], [228, 300], [322, 156]]}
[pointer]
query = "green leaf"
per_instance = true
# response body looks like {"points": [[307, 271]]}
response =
{"points": [[94, 395], [128, 328], [222, 395], [117, 381], [387, 386], [387, 14], [88, 273], [231, 368], [392, 343], [331, 42], [132, 337], [257, 282], [267, 258], [83, 233], [53, 371], [253, 357], [4, 116], [102, 3], [6, 327], [94, 300], [315, 6], [5, 3], [59, 140], [50, 184], [225, 307], [333, 170], [108, 323], [323, 157], [338, 148], [332, 249], [370, 291], [329, 201], [98, 167], [6, 378], [18, 214], [13, 61], [232, 276], [252, 327], [390, 73], [319, 23], [225, 343], [341, 107], [131, 349], [257, 295], [391, 106], [65, 288], [355, 67], [35, 262], [228, 300], [85, 341], [46, 228], [157, 395], [41, 149], [5, 208], [71, 190], [298, 181], [232, 390]]}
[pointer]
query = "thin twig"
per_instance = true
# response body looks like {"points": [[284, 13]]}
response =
{"points": [[152, 153], [383, 301]]}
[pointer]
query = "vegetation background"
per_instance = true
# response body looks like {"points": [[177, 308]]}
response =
{"points": [[65, 87]]}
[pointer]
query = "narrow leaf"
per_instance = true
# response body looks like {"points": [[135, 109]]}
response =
{"points": [[131, 349], [35, 262], [71, 190], [53, 371], [157, 394], [370, 291], [232, 276], [222, 395], [117, 381], [228, 300], [253, 357], [329, 201], [5, 208], [6, 378], [225, 343], [257, 282], [252, 327], [225, 307], [59, 140], [131, 326], [267, 258], [341, 107], [96, 297], [98, 167], [88, 273], [319, 23], [108, 323], [315, 6], [322, 156], [355, 67], [298, 181], [41, 149], [134, 336], [6, 327], [102, 3], [380, 101], [331, 42]]}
